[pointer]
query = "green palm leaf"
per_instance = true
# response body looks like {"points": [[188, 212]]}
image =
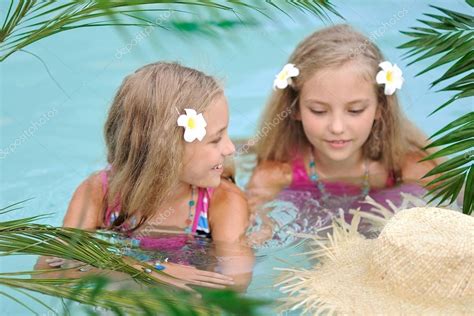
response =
{"points": [[24, 236], [93, 292], [28, 21], [449, 39]]}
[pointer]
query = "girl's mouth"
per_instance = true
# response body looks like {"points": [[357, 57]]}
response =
{"points": [[338, 143], [218, 168]]}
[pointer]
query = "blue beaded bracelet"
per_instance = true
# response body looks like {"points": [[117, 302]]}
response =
{"points": [[159, 266]]}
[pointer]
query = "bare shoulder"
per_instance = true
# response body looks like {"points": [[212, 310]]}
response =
{"points": [[271, 173], [228, 212], [227, 193], [267, 180], [86, 205], [413, 169]]}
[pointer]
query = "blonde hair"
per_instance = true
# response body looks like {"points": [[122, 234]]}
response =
{"points": [[333, 47], [144, 142]]}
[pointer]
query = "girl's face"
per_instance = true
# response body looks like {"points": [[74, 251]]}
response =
{"points": [[204, 160], [337, 109]]}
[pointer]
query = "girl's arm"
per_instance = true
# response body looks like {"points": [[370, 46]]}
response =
{"points": [[229, 220], [86, 206], [268, 179], [85, 212], [228, 213], [177, 275], [413, 170]]}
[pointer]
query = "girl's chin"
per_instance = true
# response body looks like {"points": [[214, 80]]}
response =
{"points": [[341, 153], [337, 156], [216, 182], [212, 182]]}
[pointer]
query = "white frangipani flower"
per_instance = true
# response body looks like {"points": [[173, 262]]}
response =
{"points": [[283, 79], [391, 76], [194, 125]]}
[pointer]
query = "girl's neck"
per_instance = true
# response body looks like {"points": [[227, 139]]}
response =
{"points": [[179, 191], [176, 201], [329, 168], [174, 211]]}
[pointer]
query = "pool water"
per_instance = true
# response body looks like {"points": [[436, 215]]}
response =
{"points": [[51, 130]]}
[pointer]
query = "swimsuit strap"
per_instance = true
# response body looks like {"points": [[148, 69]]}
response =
{"points": [[112, 211], [391, 179], [299, 173], [200, 224], [201, 218]]}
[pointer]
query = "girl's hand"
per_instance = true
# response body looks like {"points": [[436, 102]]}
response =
{"points": [[194, 276], [55, 262], [181, 275], [63, 263], [259, 237], [177, 274]]}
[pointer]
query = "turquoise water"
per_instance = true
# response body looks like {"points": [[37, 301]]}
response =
{"points": [[51, 133]]}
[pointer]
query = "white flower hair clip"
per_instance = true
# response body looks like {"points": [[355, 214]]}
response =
{"points": [[391, 76], [194, 125], [283, 79]]}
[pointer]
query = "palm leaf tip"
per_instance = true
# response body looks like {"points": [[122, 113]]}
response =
{"points": [[29, 21], [25, 237], [447, 37]]}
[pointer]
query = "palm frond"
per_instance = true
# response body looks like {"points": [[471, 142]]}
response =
{"points": [[29, 21], [94, 292], [449, 39], [25, 237], [22, 236]]}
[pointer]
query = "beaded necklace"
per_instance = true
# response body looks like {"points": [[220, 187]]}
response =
{"points": [[189, 220], [325, 196], [191, 204]]}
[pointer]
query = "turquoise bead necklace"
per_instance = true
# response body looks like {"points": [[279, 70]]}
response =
{"points": [[191, 204], [325, 196]]}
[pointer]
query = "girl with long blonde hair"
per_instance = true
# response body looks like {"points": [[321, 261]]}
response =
{"points": [[167, 140], [334, 123]]}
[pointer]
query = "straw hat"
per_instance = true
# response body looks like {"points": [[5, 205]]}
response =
{"points": [[421, 263]]}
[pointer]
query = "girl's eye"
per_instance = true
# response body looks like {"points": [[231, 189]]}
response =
{"points": [[356, 111], [216, 140], [317, 112]]}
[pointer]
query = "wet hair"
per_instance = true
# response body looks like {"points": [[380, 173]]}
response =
{"points": [[144, 143], [332, 47]]}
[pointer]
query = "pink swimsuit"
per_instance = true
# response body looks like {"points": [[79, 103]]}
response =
{"points": [[312, 209], [200, 226], [300, 179]]}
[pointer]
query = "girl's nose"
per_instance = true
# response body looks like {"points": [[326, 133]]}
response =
{"points": [[336, 125], [229, 147]]}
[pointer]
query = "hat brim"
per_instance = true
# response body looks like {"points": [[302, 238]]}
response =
{"points": [[343, 283]]}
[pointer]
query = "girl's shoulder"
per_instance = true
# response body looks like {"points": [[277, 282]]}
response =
{"points": [[267, 180], [97, 184], [271, 173], [86, 205], [413, 169], [228, 212]]}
